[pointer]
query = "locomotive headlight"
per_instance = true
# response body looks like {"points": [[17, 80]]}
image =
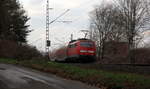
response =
{"points": [[90, 51], [83, 51]]}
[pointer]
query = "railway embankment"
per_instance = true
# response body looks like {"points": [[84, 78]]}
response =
{"points": [[94, 77]]}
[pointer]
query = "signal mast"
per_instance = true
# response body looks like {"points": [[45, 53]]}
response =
{"points": [[48, 22], [47, 28]]}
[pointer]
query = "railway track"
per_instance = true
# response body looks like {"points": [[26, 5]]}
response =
{"points": [[136, 68]]}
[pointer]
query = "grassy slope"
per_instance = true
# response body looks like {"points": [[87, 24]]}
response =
{"points": [[93, 77]]}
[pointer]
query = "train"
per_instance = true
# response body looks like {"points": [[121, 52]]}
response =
{"points": [[80, 50]]}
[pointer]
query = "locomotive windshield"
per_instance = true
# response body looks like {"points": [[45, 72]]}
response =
{"points": [[86, 44]]}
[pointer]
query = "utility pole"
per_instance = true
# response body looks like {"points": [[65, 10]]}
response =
{"points": [[48, 22], [47, 29]]}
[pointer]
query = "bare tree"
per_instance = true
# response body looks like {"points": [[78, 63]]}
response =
{"points": [[105, 25], [136, 21]]}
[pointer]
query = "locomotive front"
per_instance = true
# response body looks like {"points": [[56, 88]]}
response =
{"points": [[83, 50]]}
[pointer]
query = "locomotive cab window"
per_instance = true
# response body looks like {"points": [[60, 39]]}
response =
{"points": [[69, 46], [86, 44], [72, 45]]}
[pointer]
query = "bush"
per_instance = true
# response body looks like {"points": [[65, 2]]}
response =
{"points": [[117, 53], [142, 55], [28, 52], [10, 49]]}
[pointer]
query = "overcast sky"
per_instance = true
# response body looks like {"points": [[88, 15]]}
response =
{"points": [[59, 32]]}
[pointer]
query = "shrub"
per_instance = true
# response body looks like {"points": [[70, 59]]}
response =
{"points": [[142, 55], [11, 49]]}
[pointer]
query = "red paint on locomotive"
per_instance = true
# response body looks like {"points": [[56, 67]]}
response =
{"points": [[82, 49]]}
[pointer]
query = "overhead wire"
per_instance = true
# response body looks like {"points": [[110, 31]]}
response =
{"points": [[82, 5], [59, 16]]}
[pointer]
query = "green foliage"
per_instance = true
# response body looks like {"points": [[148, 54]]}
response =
{"points": [[13, 21], [8, 61]]}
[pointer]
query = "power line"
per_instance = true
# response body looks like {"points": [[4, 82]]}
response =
{"points": [[59, 16], [48, 42], [48, 23]]}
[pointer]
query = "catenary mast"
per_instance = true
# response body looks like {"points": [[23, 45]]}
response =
{"points": [[47, 28]]}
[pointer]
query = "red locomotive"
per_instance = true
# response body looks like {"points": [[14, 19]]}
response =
{"points": [[83, 50]]}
